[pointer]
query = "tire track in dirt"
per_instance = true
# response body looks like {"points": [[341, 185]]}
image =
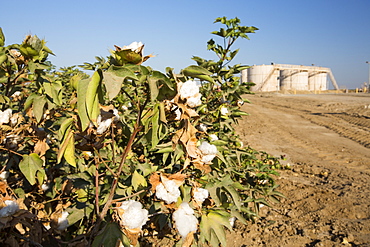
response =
{"points": [[328, 196], [354, 127]]}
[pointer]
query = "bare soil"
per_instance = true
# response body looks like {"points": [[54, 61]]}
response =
{"points": [[326, 140]]}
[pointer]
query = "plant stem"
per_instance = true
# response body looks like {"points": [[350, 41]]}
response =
{"points": [[109, 202]]}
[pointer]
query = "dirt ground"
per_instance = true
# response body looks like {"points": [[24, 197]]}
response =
{"points": [[326, 140]]}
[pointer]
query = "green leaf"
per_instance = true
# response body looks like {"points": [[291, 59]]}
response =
{"points": [[2, 37], [30, 165], [153, 87], [92, 103], [113, 79], [109, 237], [112, 83], [67, 149], [76, 214], [66, 124], [38, 107], [138, 181], [81, 107], [212, 227], [197, 72]]}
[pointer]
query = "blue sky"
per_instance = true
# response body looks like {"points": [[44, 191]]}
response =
{"points": [[329, 33]]}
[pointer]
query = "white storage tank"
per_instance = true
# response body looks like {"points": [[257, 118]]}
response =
{"points": [[317, 81], [244, 77], [292, 79], [265, 77]]}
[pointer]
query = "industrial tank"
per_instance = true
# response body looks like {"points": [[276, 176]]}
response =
{"points": [[244, 77], [293, 79], [317, 81], [265, 77]]}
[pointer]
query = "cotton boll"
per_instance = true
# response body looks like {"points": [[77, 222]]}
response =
{"points": [[168, 191], [116, 115], [213, 137], [4, 175], [134, 46], [185, 221], [134, 215], [10, 208], [232, 221], [194, 101], [202, 127], [188, 89], [200, 194], [178, 114], [45, 187], [103, 126], [5, 116], [207, 148], [63, 221], [224, 111], [209, 152]]}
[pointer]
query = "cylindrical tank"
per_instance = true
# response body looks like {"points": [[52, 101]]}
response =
{"points": [[265, 77], [291, 79], [244, 77], [317, 81]]}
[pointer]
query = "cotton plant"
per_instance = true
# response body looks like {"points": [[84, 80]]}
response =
{"points": [[101, 150]]}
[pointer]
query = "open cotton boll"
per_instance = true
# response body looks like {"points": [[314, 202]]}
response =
{"points": [[188, 89], [10, 208], [224, 111], [168, 191], [202, 127], [134, 46], [103, 125], [185, 221], [200, 194], [213, 137], [134, 215], [209, 151], [208, 158], [194, 101], [4, 175], [5, 116], [63, 221]]}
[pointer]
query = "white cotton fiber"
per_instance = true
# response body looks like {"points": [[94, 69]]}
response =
{"points": [[185, 221], [168, 191], [134, 215], [10, 208]]}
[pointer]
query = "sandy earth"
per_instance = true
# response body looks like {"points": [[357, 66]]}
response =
{"points": [[326, 139]]}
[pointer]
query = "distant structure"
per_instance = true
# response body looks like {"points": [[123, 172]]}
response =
{"points": [[276, 77]]}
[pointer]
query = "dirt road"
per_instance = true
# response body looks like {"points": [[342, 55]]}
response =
{"points": [[326, 139]]}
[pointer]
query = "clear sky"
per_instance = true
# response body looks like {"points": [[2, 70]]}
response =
{"points": [[328, 33]]}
